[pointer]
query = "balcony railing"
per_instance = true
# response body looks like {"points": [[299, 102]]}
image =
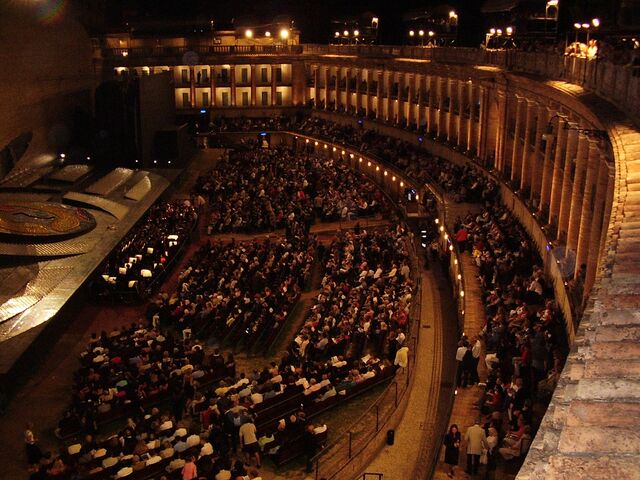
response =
{"points": [[162, 51]]}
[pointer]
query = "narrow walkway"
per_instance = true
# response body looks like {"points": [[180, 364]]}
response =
{"points": [[418, 423], [464, 411]]}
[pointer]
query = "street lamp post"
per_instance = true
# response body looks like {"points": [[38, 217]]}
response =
{"points": [[577, 26], [284, 36], [551, 4]]}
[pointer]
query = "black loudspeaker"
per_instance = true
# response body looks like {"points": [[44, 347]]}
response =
{"points": [[391, 437]]}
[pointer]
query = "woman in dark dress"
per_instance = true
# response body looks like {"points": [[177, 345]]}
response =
{"points": [[452, 448]]}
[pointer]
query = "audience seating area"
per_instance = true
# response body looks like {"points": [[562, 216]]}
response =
{"points": [[257, 190], [142, 257], [181, 397], [184, 398]]}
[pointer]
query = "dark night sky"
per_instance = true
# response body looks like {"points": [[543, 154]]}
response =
{"points": [[312, 17]]}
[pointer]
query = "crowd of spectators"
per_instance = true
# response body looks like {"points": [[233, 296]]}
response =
{"points": [[143, 254], [247, 286], [362, 309], [364, 300], [250, 286], [257, 190], [250, 124], [205, 421], [524, 336], [462, 183]]}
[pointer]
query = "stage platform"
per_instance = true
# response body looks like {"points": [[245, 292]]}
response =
{"points": [[39, 274]]}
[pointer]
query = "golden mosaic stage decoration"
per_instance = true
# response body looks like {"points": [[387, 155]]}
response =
{"points": [[43, 219]]}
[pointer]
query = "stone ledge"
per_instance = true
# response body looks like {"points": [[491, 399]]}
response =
{"points": [[563, 467], [606, 440], [604, 414], [597, 368], [608, 389], [616, 333], [621, 351]]}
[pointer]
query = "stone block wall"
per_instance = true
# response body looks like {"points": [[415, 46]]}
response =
{"points": [[46, 72]]}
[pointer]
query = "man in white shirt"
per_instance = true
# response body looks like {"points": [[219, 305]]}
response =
{"points": [[462, 349], [475, 352]]}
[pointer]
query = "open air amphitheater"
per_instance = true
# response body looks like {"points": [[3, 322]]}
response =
{"points": [[314, 261]]}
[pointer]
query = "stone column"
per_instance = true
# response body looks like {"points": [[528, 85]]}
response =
{"points": [[192, 85], [462, 99], [253, 85], [316, 82], [442, 92], [420, 108], [337, 88], [358, 105], [538, 154], [481, 125], [232, 76], [597, 225], [501, 132], [369, 77], [608, 206], [379, 108], [212, 78], [567, 182], [471, 124], [431, 85], [582, 159], [525, 178], [586, 217], [452, 87], [388, 82], [556, 179], [347, 89], [400, 99], [411, 99], [547, 168], [516, 150], [327, 94]]}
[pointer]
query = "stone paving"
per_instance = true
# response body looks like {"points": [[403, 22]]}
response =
{"points": [[399, 460], [464, 411]]}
